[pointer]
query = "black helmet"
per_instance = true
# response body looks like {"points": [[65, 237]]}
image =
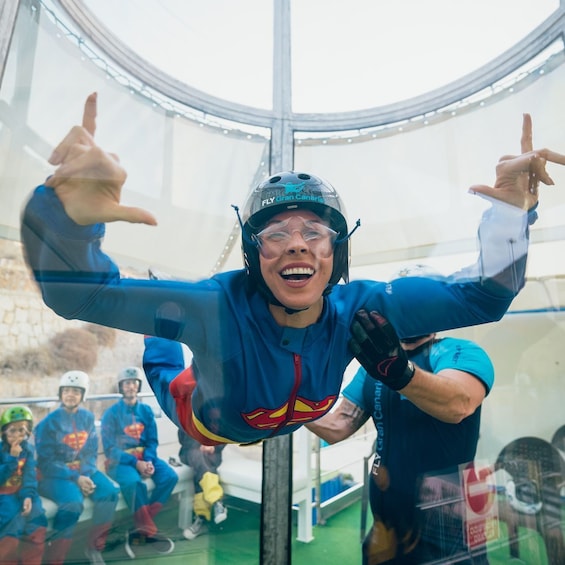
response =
{"points": [[291, 191]]}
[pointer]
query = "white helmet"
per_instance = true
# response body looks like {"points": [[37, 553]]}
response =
{"points": [[130, 373], [77, 379]]}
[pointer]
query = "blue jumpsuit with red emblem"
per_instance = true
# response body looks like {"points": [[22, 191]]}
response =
{"points": [[129, 434], [67, 448], [253, 378], [18, 480]]}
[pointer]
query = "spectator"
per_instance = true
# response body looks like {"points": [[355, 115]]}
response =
{"points": [[67, 453], [22, 519], [129, 437], [208, 492], [166, 356]]}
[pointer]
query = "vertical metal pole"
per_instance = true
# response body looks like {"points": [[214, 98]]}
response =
{"points": [[276, 506], [276, 501], [318, 483], [282, 157], [365, 497], [8, 13]]}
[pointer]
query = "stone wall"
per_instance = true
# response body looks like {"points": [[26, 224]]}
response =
{"points": [[24, 320], [26, 323]]}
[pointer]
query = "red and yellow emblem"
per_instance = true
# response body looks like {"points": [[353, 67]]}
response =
{"points": [[75, 440], [303, 411], [14, 481], [134, 430]]}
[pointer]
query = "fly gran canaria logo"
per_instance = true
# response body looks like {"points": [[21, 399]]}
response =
{"points": [[291, 192]]}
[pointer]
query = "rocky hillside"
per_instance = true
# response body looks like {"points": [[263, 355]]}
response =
{"points": [[28, 330]]}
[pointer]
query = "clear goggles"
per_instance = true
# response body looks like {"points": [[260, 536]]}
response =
{"points": [[274, 239]]}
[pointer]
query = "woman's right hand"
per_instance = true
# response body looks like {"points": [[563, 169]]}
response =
{"points": [[88, 181]]}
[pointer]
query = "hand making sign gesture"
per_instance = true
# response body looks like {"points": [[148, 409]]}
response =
{"points": [[518, 177], [88, 180]]}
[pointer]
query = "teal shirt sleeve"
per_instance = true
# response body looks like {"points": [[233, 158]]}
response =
{"points": [[354, 390], [463, 355]]}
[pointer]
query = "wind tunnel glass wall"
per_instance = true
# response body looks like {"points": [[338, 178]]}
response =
{"points": [[409, 184], [185, 169], [408, 188]]}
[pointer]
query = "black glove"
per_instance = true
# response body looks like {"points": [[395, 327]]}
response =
{"points": [[377, 347]]}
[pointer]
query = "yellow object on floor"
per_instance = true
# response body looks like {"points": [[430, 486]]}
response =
{"points": [[201, 507], [211, 487]]}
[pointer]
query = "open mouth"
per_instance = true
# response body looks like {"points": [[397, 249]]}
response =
{"points": [[297, 273]]}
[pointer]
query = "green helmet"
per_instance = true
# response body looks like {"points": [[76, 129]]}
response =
{"points": [[16, 414]]}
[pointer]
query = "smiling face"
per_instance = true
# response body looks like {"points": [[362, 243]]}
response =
{"points": [[71, 397], [300, 272]]}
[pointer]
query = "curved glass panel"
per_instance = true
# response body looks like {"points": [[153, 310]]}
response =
{"points": [[191, 200], [421, 210], [220, 47], [360, 54], [345, 56]]}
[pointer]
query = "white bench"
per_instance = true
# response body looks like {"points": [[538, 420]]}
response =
{"points": [[184, 489], [241, 475]]}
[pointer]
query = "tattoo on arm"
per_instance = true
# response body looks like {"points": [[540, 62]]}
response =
{"points": [[354, 415]]}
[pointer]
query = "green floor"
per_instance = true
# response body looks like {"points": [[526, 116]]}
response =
{"points": [[236, 542]]}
